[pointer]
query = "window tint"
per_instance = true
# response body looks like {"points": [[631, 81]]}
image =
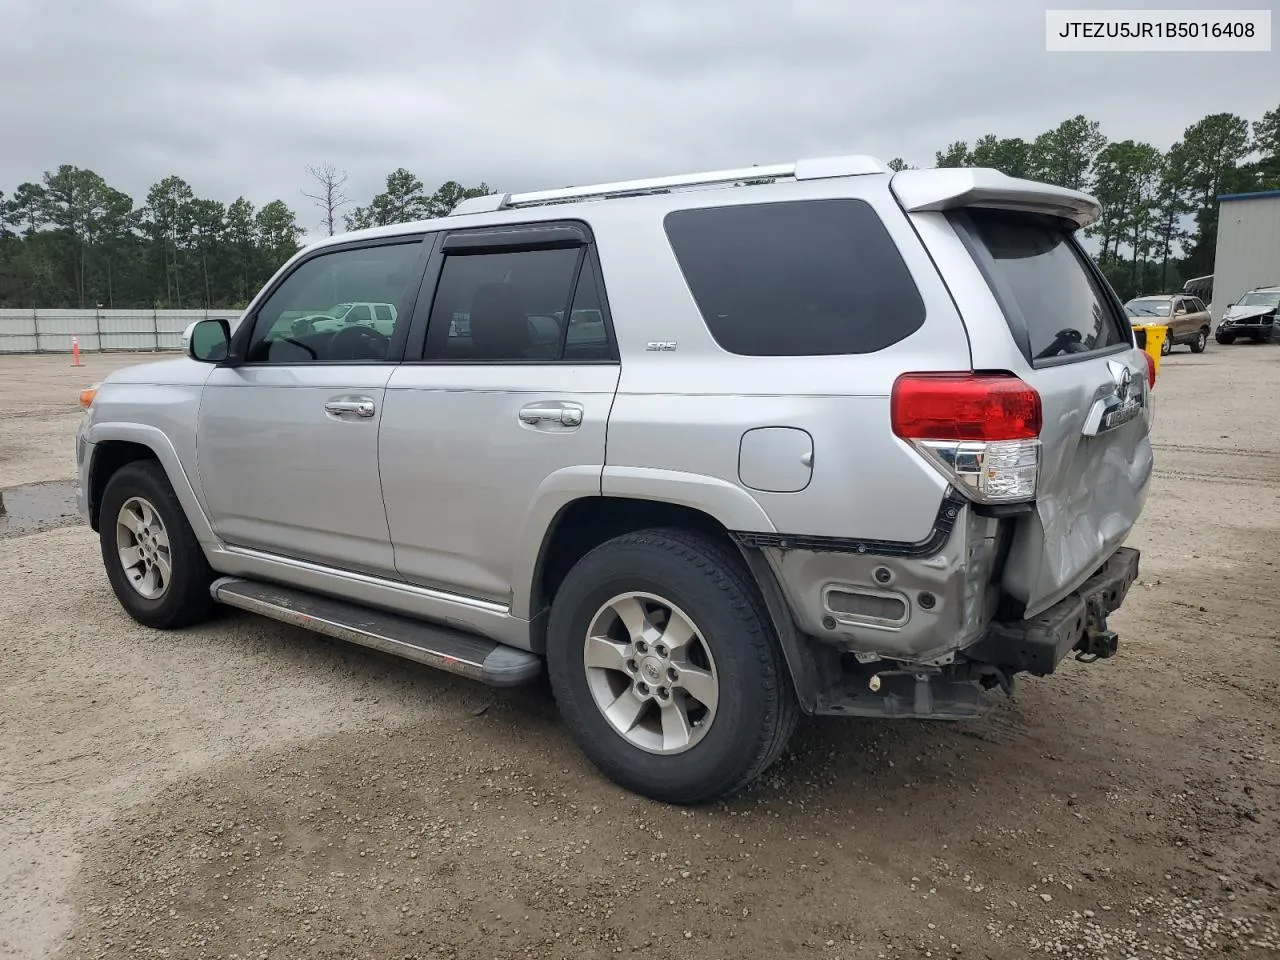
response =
{"points": [[587, 338], [799, 278], [1042, 282], [325, 310], [512, 305]]}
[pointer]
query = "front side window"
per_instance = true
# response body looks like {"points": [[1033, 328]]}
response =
{"points": [[1044, 285], [523, 305], [796, 278], [339, 307]]}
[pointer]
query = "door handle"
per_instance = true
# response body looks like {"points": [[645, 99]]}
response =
{"points": [[566, 414], [360, 406]]}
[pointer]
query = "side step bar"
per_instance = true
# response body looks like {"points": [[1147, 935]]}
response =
{"points": [[465, 654]]}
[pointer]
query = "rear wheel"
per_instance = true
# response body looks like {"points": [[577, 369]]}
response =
{"points": [[156, 567], [1200, 342], [666, 668]]}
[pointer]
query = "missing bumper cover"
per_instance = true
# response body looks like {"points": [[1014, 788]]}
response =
{"points": [[1076, 623]]}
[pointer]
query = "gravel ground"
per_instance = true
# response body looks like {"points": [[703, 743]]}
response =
{"points": [[248, 790]]}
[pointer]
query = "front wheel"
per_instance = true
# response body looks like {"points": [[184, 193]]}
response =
{"points": [[154, 562], [1225, 338], [1200, 342], [666, 668], [1167, 346]]}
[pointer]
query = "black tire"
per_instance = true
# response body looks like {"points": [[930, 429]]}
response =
{"points": [[1200, 342], [1226, 339], [1166, 346], [757, 709], [185, 599]]}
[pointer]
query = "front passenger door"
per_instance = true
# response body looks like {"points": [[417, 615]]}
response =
{"points": [[1183, 320], [287, 437]]}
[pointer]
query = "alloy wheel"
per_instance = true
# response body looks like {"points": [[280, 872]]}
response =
{"points": [[143, 546], [650, 673]]}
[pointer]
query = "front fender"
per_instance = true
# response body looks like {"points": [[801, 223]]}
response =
{"points": [[155, 440]]}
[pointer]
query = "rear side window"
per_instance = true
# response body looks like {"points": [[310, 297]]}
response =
{"points": [[1054, 302], [798, 278], [525, 305]]}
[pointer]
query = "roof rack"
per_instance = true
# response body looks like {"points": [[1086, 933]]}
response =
{"points": [[812, 169]]}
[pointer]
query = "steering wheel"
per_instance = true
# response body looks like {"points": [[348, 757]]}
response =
{"points": [[358, 342]]}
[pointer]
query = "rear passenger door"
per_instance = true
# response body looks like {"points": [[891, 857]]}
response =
{"points": [[497, 417], [1201, 315]]}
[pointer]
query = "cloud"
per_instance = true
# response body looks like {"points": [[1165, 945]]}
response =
{"points": [[238, 96]]}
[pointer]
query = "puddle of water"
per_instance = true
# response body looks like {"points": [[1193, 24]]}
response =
{"points": [[33, 507]]}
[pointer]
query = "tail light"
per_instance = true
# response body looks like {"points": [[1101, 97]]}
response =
{"points": [[980, 431], [1151, 369]]}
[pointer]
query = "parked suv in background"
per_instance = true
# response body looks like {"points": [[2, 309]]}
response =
{"points": [[1186, 319], [816, 438], [1254, 315]]}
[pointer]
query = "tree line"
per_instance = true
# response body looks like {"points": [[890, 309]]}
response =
{"points": [[73, 240]]}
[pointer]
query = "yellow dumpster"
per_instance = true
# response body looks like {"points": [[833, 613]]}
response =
{"points": [[1151, 337]]}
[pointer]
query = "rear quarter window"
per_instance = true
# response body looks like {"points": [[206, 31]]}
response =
{"points": [[1056, 303], [796, 278]]}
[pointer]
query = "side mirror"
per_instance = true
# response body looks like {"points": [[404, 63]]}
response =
{"points": [[208, 341]]}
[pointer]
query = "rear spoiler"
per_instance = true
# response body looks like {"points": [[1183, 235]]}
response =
{"points": [[953, 187]]}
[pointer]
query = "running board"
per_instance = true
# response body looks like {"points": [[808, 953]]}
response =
{"points": [[465, 654]]}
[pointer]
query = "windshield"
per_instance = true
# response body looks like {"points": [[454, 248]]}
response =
{"points": [[1260, 300], [1147, 308]]}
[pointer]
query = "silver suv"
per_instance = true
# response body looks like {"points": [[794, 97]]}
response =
{"points": [[716, 450]]}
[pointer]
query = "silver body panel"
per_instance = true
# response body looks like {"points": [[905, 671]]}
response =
{"points": [[463, 473], [437, 506], [298, 481], [1091, 489]]}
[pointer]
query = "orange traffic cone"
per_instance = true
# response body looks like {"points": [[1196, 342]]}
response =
{"points": [[75, 352]]}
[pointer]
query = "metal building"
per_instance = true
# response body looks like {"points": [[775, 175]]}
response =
{"points": [[1248, 250]]}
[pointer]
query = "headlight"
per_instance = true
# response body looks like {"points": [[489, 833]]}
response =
{"points": [[87, 395]]}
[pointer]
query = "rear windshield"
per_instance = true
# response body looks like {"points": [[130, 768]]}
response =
{"points": [[796, 278], [1054, 303]]}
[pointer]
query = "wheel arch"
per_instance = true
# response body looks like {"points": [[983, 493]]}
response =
{"points": [[118, 444], [586, 522]]}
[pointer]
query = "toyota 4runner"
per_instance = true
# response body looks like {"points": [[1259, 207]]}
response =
{"points": [[714, 450]]}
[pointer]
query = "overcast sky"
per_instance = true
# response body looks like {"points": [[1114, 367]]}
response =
{"points": [[237, 96]]}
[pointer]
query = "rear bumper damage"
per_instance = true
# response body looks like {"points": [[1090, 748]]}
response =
{"points": [[1076, 624]]}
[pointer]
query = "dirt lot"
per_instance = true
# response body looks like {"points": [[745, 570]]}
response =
{"points": [[248, 790]]}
